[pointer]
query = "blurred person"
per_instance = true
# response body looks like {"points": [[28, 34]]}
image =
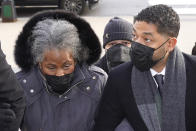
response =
{"points": [[156, 90], [194, 49], [12, 101], [55, 51], [117, 39]]}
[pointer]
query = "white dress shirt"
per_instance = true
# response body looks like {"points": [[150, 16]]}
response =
{"points": [[153, 73]]}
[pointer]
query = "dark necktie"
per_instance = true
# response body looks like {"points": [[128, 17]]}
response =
{"points": [[158, 97], [160, 82]]}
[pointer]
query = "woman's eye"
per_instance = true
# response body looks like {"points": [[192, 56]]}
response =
{"points": [[51, 68], [67, 66]]}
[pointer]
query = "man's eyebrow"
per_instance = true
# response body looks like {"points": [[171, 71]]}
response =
{"points": [[145, 33], [148, 33]]}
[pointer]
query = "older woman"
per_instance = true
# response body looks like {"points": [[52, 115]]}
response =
{"points": [[55, 51]]}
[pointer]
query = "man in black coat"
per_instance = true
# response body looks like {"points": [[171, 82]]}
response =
{"points": [[156, 90], [12, 101], [117, 39]]}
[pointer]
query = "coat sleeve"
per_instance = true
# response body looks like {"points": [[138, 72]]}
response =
{"points": [[11, 93], [109, 114]]}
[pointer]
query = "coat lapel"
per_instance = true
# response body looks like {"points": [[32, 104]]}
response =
{"points": [[131, 111]]}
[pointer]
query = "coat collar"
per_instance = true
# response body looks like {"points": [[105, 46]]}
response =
{"points": [[84, 80], [34, 82]]}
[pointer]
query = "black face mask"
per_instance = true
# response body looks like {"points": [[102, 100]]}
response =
{"points": [[59, 84], [141, 56], [116, 55]]}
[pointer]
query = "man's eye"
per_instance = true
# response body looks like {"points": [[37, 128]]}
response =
{"points": [[147, 40], [112, 44], [134, 37], [124, 43]]}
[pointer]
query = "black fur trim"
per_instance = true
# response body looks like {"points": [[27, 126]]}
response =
{"points": [[22, 52]]}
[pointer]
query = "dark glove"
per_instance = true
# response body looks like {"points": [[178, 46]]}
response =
{"points": [[7, 115]]}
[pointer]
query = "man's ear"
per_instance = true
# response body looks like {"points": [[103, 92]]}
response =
{"points": [[172, 43]]}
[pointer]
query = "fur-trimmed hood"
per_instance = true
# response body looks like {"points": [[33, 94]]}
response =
{"points": [[22, 52]]}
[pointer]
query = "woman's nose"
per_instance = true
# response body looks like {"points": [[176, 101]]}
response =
{"points": [[59, 72]]}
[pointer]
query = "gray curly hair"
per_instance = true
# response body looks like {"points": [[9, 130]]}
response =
{"points": [[57, 34]]}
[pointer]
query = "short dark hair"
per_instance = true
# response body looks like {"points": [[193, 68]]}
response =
{"points": [[163, 16]]}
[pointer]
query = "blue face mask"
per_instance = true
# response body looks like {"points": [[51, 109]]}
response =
{"points": [[141, 56], [59, 84]]}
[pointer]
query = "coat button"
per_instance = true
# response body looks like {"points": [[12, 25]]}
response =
{"points": [[88, 88], [31, 91], [94, 77], [24, 81]]}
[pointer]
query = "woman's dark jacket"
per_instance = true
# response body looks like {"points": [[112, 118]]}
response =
{"points": [[72, 111]]}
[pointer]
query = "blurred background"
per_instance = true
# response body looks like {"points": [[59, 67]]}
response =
{"points": [[98, 15]]}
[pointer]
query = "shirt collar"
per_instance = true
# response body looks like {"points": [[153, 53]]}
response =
{"points": [[153, 72]]}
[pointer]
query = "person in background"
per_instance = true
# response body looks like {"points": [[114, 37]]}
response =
{"points": [[55, 51], [156, 90], [194, 50], [12, 100], [117, 37]]}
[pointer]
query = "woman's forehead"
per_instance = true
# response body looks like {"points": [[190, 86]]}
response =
{"points": [[58, 55]]}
